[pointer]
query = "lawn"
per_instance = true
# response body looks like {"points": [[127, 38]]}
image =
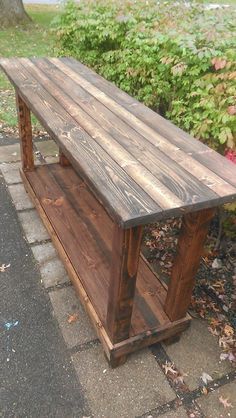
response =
{"points": [[34, 39]]}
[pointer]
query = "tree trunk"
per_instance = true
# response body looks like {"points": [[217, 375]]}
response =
{"points": [[12, 13]]}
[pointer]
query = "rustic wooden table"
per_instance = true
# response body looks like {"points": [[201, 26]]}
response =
{"points": [[121, 166]]}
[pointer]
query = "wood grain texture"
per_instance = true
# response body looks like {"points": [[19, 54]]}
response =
{"points": [[163, 134], [101, 122], [86, 233], [124, 267], [123, 198], [56, 212], [139, 166], [25, 133], [189, 250]]}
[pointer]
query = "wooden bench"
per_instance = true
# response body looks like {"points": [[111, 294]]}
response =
{"points": [[121, 166]]}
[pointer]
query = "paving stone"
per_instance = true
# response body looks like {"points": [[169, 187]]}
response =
{"points": [[51, 160], [11, 172], [179, 413], [33, 227], [47, 148], [51, 268], [10, 153], [212, 407], [65, 303], [128, 391], [197, 352], [19, 196]]}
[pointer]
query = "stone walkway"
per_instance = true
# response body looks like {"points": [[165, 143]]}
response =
{"points": [[140, 388]]}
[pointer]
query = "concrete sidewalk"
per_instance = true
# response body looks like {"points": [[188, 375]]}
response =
{"points": [[53, 368]]}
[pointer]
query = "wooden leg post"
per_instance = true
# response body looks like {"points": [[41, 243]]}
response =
{"points": [[63, 160], [124, 265], [25, 132], [189, 249]]}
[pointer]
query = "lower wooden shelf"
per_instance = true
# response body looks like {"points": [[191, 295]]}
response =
{"points": [[82, 233]]}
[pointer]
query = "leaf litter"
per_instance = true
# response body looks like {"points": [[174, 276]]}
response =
{"points": [[3, 267], [214, 296]]}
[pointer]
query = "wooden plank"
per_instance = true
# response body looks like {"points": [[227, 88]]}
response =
{"points": [[86, 205], [100, 330], [164, 127], [164, 140], [124, 266], [63, 160], [153, 291], [135, 170], [85, 252], [144, 336], [63, 195], [182, 184], [189, 250], [121, 196], [221, 166], [161, 333], [25, 133]]}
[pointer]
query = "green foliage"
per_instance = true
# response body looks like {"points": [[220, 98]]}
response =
{"points": [[178, 60]]}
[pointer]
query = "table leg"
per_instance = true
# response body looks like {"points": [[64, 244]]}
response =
{"points": [[63, 160], [189, 249], [25, 133], [124, 265]]}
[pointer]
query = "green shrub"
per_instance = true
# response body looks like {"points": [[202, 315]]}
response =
{"points": [[178, 60]]}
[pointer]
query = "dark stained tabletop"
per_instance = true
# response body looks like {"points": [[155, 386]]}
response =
{"points": [[138, 164]]}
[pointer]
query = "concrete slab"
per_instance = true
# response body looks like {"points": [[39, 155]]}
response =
{"points": [[213, 408], [47, 148], [127, 391], [51, 268], [179, 413], [197, 352], [10, 153], [52, 160], [19, 196], [33, 227], [11, 172], [66, 303]]}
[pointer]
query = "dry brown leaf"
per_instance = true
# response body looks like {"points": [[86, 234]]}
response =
{"points": [[228, 330], [180, 378], [225, 402], [169, 367], [213, 331], [204, 390], [72, 318], [3, 267], [206, 378]]}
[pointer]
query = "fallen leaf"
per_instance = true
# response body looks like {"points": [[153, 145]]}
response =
{"points": [[180, 378], [169, 368], [225, 402], [216, 264], [213, 331], [228, 330], [206, 378], [3, 267], [224, 356], [204, 390], [72, 318]]}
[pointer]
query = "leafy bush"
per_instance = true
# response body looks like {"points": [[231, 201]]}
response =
{"points": [[179, 60]]}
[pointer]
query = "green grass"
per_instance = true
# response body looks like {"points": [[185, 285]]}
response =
{"points": [[34, 39], [229, 2]]}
